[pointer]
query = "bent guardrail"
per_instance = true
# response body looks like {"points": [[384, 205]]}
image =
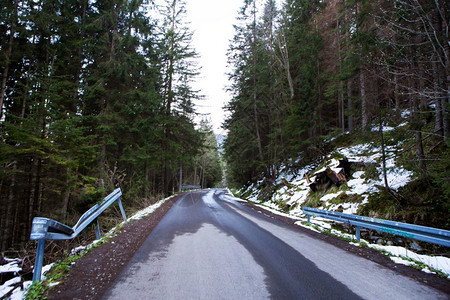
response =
{"points": [[44, 229], [423, 233], [190, 187]]}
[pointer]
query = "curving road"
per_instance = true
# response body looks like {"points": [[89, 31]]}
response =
{"points": [[209, 246]]}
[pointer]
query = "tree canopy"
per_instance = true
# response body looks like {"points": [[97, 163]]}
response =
{"points": [[95, 95]]}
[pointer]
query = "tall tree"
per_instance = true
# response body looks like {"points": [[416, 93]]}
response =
{"points": [[84, 108], [178, 69]]}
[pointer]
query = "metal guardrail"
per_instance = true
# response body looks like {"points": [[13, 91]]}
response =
{"points": [[423, 233], [191, 187], [44, 229]]}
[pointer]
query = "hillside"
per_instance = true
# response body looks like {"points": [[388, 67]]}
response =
{"points": [[317, 87], [362, 189]]}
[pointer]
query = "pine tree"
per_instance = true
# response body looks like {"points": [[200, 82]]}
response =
{"points": [[177, 62], [303, 44]]}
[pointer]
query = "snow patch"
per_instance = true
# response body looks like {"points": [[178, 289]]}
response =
{"points": [[4, 290], [330, 196], [149, 209], [398, 254], [13, 266], [439, 263], [8, 286], [402, 261], [46, 269]]}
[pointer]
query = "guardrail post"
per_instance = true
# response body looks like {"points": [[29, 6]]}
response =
{"points": [[358, 233], [97, 229], [122, 210], [39, 260]]}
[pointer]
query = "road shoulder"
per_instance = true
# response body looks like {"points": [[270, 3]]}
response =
{"points": [[431, 280]]}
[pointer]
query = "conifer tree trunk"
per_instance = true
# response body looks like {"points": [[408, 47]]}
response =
{"points": [[383, 153], [341, 110], [66, 195], [255, 110], [441, 71], [341, 106], [420, 153], [15, 225], [362, 81], [147, 181], [445, 100], [349, 105], [396, 94], [36, 165], [362, 93], [282, 46], [438, 125], [415, 117], [8, 58], [6, 235], [34, 188], [317, 128]]}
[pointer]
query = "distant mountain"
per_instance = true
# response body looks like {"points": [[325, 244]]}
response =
{"points": [[220, 138]]}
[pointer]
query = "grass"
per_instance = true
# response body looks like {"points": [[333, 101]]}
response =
{"points": [[329, 232], [313, 199], [38, 289], [420, 266], [347, 198]]}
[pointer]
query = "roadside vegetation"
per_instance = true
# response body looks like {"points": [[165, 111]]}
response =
{"points": [[316, 82]]}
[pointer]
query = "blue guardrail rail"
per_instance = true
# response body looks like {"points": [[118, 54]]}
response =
{"points": [[423, 233], [44, 229]]}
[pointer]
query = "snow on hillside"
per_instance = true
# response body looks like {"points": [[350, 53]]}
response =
{"points": [[297, 193]]}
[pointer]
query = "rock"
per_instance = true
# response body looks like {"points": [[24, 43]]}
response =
{"points": [[398, 241], [415, 246]]}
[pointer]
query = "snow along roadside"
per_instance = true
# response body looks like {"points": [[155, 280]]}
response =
{"points": [[399, 255]]}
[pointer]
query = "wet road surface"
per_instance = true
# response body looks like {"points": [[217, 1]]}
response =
{"points": [[210, 246]]}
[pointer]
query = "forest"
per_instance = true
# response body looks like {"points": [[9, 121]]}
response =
{"points": [[95, 95], [309, 71]]}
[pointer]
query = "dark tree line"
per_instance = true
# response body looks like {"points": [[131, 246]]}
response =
{"points": [[94, 95], [314, 68]]}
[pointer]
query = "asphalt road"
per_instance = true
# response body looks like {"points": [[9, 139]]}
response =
{"points": [[210, 246]]}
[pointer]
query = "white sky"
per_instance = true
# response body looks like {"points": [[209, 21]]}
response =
{"points": [[212, 21]]}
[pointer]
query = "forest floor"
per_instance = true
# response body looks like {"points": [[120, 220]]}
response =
{"points": [[94, 273]]}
